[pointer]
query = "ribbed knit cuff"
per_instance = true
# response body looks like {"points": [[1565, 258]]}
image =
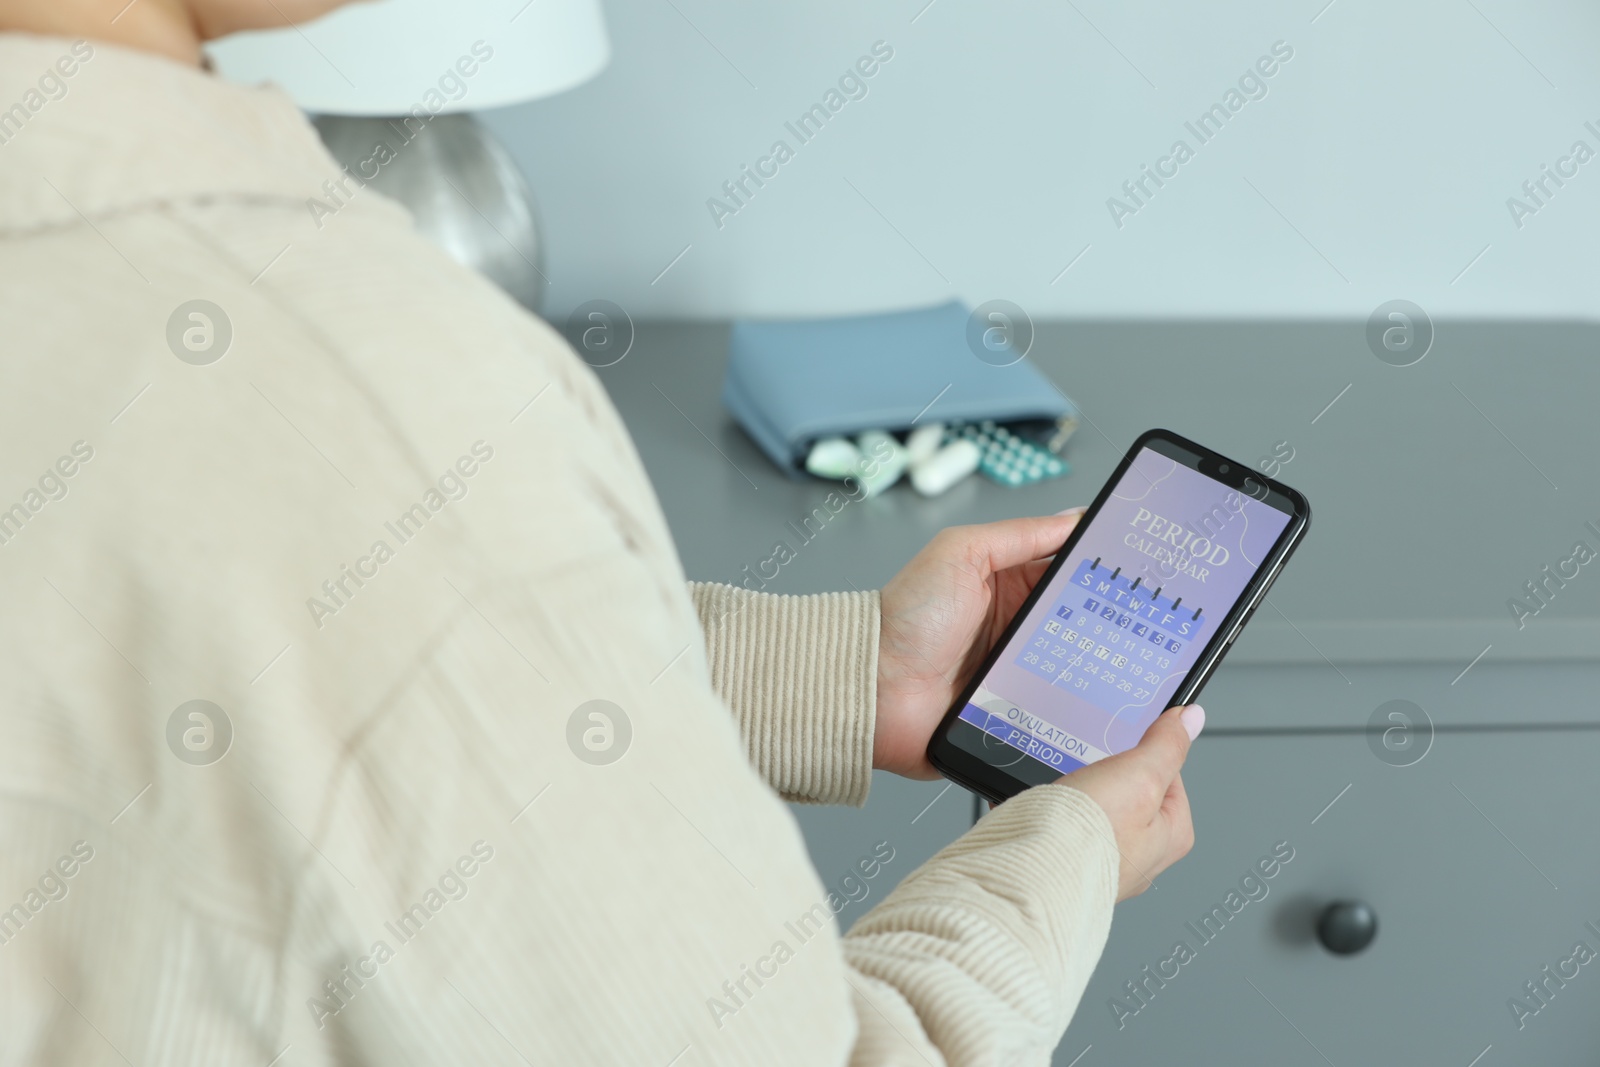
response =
{"points": [[992, 942], [801, 675]]}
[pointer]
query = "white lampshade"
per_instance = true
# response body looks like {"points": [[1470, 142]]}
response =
{"points": [[389, 56]]}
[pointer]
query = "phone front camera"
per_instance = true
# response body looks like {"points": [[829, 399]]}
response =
{"points": [[1223, 469]]}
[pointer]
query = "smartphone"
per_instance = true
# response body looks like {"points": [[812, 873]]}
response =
{"points": [[1131, 618]]}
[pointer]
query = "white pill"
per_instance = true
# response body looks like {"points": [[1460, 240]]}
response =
{"points": [[833, 457], [924, 441], [883, 461], [945, 467]]}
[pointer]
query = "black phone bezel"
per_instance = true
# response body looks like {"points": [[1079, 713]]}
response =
{"points": [[998, 782]]}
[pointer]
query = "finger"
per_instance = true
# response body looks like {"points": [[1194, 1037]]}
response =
{"points": [[1044, 561], [1180, 821], [1015, 541], [1177, 795], [1034, 570], [1165, 745], [1175, 809]]}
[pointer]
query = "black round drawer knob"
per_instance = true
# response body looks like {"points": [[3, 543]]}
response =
{"points": [[1346, 927]]}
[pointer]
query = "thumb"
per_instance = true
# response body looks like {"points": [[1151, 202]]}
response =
{"points": [[1164, 747], [1013, 542]]}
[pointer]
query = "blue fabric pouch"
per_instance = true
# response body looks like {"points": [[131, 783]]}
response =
{"points": [[792, 382]]}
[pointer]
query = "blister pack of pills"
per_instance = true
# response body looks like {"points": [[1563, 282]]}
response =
{"points": [[936, 456], [1007, 457]]}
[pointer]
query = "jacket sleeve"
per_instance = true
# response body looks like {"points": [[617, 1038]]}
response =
{"points": [[981, 955], [801, 676]]}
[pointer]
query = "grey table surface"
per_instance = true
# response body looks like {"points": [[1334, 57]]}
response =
{"points": [[1438, 490]]}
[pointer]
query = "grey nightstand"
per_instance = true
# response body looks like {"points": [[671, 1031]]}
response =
{"points": [[1438, 491]]}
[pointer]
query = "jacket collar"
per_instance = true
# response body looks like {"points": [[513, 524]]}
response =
{"points": [[128, 130]]}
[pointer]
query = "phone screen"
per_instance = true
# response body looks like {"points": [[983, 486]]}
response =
{"points": [[1102, 651]]}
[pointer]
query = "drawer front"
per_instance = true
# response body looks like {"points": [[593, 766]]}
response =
{"points": [[1479, 862], [1321, 696]]}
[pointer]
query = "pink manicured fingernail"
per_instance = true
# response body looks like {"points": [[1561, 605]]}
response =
{"points": [[1194, 720], [1074, 511]]}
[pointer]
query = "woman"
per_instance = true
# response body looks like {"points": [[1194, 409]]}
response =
{"points": [[304, 613]]}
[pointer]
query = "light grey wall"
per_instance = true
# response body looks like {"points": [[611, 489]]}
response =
{"points": [[979, 165]]}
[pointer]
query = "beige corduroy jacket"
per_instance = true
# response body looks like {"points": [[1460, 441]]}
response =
{"points": [[303, 604]]}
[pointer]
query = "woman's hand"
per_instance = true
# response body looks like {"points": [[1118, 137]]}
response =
{"points": [[1141, 792], [941, 615]]}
